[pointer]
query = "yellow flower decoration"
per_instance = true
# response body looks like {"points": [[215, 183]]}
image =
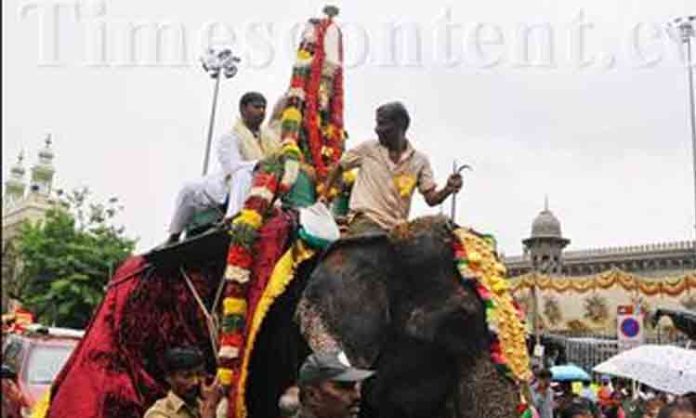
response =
{"points": [[330, 130], [292, 114], [225, 376], [350, 176], [234, 306], [290, 146], [249, 217], [489, 272], [333, 192], [474, 257], [303, 55], [500, 286], [404, 184]]}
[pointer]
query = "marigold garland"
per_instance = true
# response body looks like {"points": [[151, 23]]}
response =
{"points": [[478, 265], [311, 133], [671, 286]]}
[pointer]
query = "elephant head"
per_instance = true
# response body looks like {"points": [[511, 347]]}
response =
{"points": [[395, 303]]}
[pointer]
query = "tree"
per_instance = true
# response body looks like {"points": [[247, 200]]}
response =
{"points": [[68, 258]]}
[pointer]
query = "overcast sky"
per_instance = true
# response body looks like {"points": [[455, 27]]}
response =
{"points": [[606, 139]]}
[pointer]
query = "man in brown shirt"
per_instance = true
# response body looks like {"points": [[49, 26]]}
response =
{"points": [[390, 170], [188, 396]]}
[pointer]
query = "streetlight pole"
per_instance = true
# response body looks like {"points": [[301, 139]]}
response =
{"points": [[216, 62], [211, 122], [686, 27]]}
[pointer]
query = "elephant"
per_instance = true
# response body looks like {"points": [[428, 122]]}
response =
{"points": [[395, 303]]}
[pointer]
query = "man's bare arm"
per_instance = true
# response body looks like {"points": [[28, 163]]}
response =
{"points": [[435, 197]]}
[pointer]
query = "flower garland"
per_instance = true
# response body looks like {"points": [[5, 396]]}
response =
{"points": [[309, 127], [671, 286], [478, 265], [315, 100], [243, 232], [283, 273]]}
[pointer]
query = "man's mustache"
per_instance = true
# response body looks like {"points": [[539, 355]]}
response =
{"points": [[193, 394]]}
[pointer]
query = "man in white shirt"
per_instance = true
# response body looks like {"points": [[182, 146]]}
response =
{"points": [[238, 152]]}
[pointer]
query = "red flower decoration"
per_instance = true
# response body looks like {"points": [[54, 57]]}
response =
{"points": [[240, 257], [232, 339], [267, 180], [256, 203]]}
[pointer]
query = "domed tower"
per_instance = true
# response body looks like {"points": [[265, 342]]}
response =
{"points": [[15, 185], [545, 246], [42, 172]]}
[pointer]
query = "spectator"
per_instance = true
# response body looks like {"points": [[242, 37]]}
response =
{"points": [[677, 410], [566, 396], [188, 395], [614, 409], [329, 387], [652, 407], [691, 398], [587, 392], [632, 405], [579, 408], [542, 396], [604, 393]]}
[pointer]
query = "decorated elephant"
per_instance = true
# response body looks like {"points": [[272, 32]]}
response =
{"points": [[394, 303], [403, 303]]}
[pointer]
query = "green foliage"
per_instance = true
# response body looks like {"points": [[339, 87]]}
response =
{"points": [[69, 257]]}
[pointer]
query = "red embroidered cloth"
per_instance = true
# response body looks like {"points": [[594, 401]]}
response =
{"points": [[116, 369]]}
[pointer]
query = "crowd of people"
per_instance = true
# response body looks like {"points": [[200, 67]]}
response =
{"points": [[329, 387], [606, 399]]}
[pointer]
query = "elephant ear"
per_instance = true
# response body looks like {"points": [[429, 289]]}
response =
{"points": [[345, 304]]}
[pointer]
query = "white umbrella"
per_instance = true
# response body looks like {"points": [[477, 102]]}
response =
{"points": [[664, 367]]}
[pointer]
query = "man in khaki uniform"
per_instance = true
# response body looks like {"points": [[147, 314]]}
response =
{"points": [[188, 396], [390, 170]]}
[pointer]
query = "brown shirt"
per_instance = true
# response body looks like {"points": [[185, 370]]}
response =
{"points": [[173, 406], [383, 189]]}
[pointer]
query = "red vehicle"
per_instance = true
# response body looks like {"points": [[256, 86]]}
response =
{"points": [[34, 358]]}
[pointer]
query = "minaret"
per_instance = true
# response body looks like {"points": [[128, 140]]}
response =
{"points": [[545, 246], [42, 172], [15, 185]]}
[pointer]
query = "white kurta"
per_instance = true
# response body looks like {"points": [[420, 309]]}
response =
{"points": [[233, 178]]}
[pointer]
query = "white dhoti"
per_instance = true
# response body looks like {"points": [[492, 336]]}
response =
{"points": [[210, 192], [233, 180]]}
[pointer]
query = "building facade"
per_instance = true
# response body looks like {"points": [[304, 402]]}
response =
{"points": [[23, 202], [581, 291], [544, 253]]}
